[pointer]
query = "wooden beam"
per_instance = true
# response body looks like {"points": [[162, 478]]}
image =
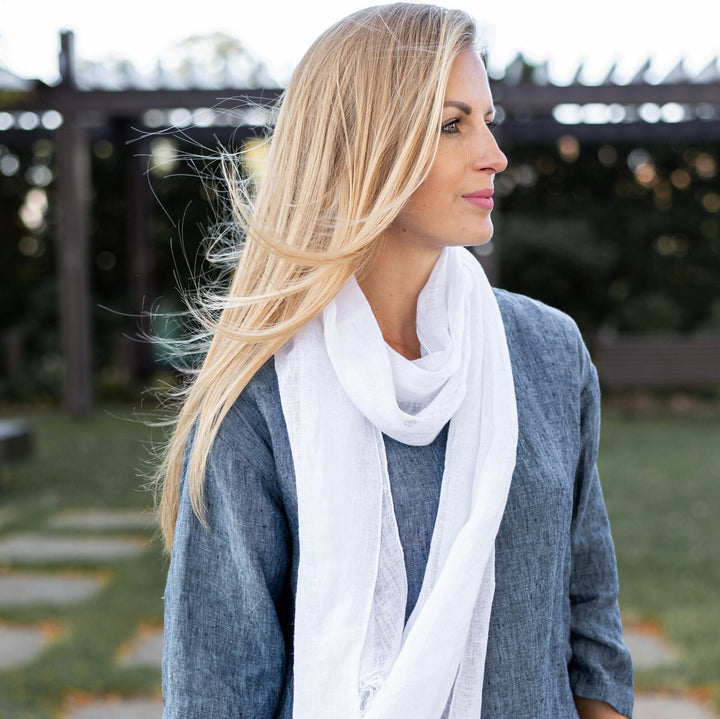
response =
{"points": [[543, 98], [540, 130], [135, 102], [532, 98]]}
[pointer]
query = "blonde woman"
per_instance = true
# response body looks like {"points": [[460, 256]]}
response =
{"points": [[381, 495]]}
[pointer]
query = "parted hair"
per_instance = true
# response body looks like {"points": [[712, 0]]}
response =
{"points": [[356, 132]]}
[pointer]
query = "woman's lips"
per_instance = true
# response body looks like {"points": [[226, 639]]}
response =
{"points": [[483, 198]]}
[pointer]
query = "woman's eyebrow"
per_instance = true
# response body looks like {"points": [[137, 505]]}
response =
{"points": [[465, 108], [462, 106]]}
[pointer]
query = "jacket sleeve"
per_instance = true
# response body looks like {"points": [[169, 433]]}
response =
{"points": [[600, 667], [224, 651]]}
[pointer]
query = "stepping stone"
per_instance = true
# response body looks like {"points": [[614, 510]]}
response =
{"points": [[55, 589], [44, 548], [20, 644], [104, 520], [146, 650], [658, 706], [648, 649], [119, 709]]}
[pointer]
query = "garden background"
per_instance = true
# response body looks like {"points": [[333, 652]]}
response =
{"points": [[614, 219]]}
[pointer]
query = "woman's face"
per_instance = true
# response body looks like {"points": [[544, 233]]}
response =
{"points": [[453, 204]]}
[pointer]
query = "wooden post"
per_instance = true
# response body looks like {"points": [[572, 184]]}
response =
{"points": [[73, 164]]}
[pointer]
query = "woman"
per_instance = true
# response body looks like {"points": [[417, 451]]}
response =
{"points": [[381, 493]]}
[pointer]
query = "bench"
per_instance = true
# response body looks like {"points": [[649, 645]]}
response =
{"points": [[16, 440], [636, 361]]}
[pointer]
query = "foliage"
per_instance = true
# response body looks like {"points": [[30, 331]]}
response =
{"points": [[623, 236], [211, 54], [28, 286], [179, 218]]}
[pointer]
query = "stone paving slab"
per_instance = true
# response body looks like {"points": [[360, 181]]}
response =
{"points": [[37, 588], [146, 650], [648, 648], [20, 644], [41, 547], [103, 520], [648, 706], [117, 709]]}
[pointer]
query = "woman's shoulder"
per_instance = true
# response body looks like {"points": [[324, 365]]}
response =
{"points": [[532, 317], [542, 338], [256, 411]]}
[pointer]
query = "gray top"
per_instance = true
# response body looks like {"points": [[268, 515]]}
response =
{"points": [[555, 626]]}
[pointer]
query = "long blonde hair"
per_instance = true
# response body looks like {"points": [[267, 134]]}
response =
{"points": [[356, 133]]}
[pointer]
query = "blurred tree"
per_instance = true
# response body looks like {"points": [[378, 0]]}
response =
{"points": [[210, 57], [29, 344], [622, 237]]}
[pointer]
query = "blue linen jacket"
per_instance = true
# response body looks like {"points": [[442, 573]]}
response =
{"points": [[555, 627]]}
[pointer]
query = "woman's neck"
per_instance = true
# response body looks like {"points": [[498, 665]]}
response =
{"points": [[392, 286]]}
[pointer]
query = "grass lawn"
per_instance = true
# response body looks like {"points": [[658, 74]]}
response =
{"points": [[81, 465], [661, 478]]}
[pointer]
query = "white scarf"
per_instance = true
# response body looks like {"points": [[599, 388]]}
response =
{"points": [[341, 387]]}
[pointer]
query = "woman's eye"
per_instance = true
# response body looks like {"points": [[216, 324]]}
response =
{"points": [[450, 128], [492, 125]]}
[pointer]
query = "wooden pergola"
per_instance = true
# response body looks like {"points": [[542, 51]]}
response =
{"points": [[83, 113], [529, 111]]}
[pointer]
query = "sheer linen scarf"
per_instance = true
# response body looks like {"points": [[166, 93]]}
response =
{"points": [[341, 387]]}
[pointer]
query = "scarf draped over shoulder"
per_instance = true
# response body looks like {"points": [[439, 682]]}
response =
{"points": [[341, 388]]}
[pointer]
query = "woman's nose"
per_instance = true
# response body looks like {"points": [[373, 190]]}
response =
{"points": [[488, 155]]}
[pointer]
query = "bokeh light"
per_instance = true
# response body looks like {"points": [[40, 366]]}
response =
{"points": [[33, 210], [163, 156], [254, 157], [103, 149], [705, 166], [28, 120], [681, 179], [569, 148], [51, 120], [607, 155], [711, 202], [106, 260]]}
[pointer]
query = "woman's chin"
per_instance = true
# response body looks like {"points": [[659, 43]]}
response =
{"points": [[479, 240]]}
